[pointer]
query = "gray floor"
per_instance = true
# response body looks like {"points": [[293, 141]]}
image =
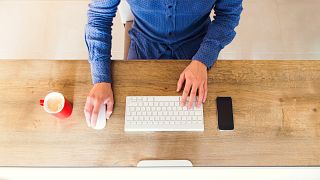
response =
{"points": [[277, 29]]}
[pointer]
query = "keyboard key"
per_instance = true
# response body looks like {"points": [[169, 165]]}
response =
{"points": [[197, 113]]}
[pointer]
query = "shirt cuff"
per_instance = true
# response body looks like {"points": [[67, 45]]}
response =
{"points": [[100, 71], [208, 53]]}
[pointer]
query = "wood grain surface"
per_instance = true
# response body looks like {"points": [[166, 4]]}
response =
{"points": [[276, 112]]}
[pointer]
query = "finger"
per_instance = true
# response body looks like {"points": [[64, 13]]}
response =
{"points": [[185, 93], [95, 113], [180, 82], [193, 94], [109, 109], [87, 110], [201, 94], [205, 91]]}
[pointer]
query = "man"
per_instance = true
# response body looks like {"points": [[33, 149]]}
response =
{"points": [[162, 29]]}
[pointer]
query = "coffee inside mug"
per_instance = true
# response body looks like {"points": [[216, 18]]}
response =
{"points": [[53, 102]]}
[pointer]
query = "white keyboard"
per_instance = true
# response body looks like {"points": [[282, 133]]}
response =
{"points": [[161, 113]]}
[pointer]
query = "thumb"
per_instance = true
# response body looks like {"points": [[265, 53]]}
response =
{"points": [[109, 109], [180, 81]]}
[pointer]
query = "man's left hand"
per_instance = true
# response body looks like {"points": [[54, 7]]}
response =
{"points": [[195, 78]]}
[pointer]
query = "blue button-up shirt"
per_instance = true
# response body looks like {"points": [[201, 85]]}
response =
{"points": [[182, 26]]}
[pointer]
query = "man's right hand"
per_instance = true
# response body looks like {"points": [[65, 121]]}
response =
{"points": [[101, 93]]}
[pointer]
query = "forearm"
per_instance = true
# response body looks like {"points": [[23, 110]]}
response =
{"points": [[98, 38], [220, 32]]}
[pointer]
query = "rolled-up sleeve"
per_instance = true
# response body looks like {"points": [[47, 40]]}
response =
{"points": [[98, 38], [220, 32]]}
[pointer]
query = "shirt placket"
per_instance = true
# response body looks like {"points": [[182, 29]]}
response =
{"points": [[170, 17]]}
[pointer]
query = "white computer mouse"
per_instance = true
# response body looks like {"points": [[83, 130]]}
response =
{"points": [[101, 121]]}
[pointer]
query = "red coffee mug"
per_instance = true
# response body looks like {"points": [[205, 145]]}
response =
{"points": [[63, 109]]}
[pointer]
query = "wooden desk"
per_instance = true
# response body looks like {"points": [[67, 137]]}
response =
{"points": [[276, 112]]}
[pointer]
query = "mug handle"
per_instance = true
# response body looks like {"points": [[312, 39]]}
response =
{"points": [[41, 102]]}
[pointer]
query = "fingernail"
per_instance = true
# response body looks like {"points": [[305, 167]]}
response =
{"points": [[108, 114]]}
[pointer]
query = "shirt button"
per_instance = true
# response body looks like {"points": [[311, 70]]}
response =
{"points": [[170, 6], [170, 16]]}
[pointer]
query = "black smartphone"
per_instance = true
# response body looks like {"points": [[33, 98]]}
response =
{"points": [[225, 113]]}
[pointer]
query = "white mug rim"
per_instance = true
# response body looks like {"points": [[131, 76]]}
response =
{"points": [[48, 96]]}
